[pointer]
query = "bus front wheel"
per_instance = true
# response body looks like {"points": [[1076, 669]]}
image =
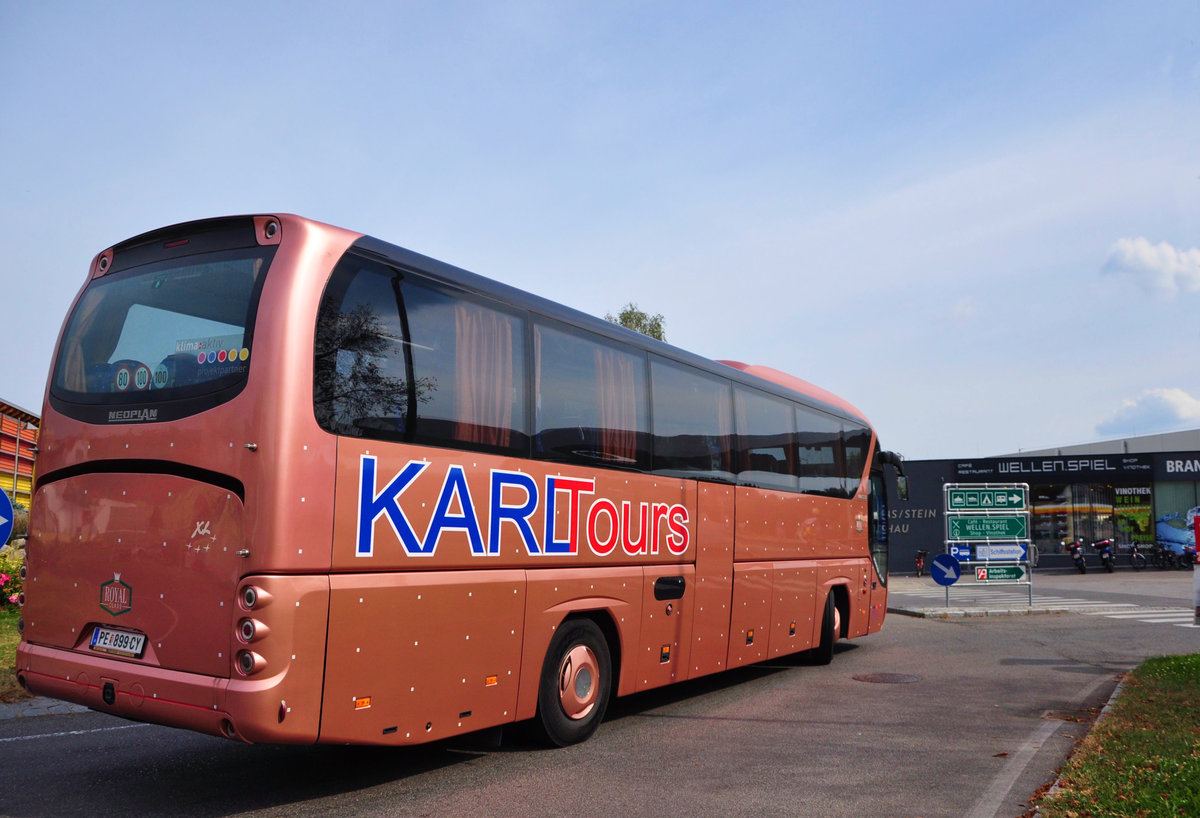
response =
{"points": [[575, 683], [831, 625]]}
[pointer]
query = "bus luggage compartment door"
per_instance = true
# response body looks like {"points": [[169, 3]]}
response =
{"points": [[666, 632], [418, 656]]}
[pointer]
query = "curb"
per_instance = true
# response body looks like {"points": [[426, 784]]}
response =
{"points": [[961, 613], [1104, 711]]}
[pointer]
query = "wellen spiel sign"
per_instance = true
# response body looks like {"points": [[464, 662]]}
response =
{"points": [[1055, 469]]}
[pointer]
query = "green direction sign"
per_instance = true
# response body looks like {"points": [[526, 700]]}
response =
{"points": [[993, 527], [1000, 573], [997, 498]]}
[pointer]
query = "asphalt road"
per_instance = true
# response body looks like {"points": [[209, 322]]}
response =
{"points": [[930, 717]]}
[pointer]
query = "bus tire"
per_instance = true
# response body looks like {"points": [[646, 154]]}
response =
{"points": [[575, 683], [822, 654]]}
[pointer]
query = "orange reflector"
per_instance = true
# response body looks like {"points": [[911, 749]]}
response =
{"points": [[664, 655], [491, 681], [362, 702], [750, 637]]}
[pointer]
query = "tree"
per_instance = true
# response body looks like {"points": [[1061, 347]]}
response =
{"points": [[632, 318]]}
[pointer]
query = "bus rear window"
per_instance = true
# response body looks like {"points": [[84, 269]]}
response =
{"points": [[164, 331]]}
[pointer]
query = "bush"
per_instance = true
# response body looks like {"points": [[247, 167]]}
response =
{"points": [[20, 528], [10, 578]]}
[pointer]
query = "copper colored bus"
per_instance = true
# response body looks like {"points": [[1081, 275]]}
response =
{"points": [[300, 485]]}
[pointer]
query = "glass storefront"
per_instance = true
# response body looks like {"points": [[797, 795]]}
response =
{"points": [[1063, 513], [1174, 510], [1145, 514], [1133, 510]]}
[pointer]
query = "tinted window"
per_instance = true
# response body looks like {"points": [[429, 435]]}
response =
{"points": [[766, 440], [591, 404], [397, 359], [819, 457], [162, 331], [693, 422], [857, 441]]}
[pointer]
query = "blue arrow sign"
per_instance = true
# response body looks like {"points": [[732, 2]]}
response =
{"points": [[945, 570], [6, 518]]}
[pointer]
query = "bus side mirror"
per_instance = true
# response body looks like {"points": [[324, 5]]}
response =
{"points": [[897, 462]]}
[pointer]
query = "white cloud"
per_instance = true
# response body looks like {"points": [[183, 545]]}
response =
{"points": [[1154, 411], [1157, 267]]}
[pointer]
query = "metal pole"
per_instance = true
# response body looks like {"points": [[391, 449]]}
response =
{"points": [[17, 459]]}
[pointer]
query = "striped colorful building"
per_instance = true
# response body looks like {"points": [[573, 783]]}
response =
{"points": [[18, 448]]}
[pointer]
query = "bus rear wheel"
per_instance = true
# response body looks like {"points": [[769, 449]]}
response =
{"points": [[575, 683], [831, 626]]}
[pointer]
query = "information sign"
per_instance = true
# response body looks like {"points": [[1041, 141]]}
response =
{"points": [[993, 527], [994, 498], [1000, 573], [1013, 551], [961, 551]]}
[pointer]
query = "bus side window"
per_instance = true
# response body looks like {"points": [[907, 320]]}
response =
{"points": [[693, 422], [820, 457], [856, 441], [360, 386], [766, 440], [397, 359], [591, 404], [469, 362]]}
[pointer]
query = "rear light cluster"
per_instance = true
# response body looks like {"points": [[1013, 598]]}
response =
{"points": [[251, 629]]}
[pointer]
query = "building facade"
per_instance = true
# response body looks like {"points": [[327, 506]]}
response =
{"points": [[18, 450], [1143, 491]]}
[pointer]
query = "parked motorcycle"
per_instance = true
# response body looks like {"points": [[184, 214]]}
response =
{"points": [[1076, 549], [1104, 549], [1187, 560]]}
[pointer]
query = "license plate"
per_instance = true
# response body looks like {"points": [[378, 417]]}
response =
{"points": [[120, 643]]}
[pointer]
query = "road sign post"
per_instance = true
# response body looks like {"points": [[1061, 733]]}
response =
{"points": [[987, 529]]}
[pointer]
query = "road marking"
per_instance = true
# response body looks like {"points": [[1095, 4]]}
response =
{"points": [[1014, 598], [994, 798], [1182, 617], [72, 733]]}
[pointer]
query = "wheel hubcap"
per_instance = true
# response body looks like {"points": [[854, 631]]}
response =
{"points": [[577, 682]]}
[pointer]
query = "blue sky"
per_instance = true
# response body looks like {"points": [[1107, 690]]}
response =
{"points": [[978, 222]]}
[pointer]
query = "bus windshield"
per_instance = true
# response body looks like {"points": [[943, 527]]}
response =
{"points": [[161, 331]]}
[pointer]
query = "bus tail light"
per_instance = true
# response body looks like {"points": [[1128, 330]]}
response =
{"points": [[252, 629], [249, 662], [253, 598]]}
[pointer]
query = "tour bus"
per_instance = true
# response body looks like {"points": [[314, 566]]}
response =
{"points": [[300, 485]]}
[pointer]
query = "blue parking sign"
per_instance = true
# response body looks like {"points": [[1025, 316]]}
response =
{"points": [[961, 551]]}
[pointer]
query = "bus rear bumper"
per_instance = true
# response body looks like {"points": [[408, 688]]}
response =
{"points": [[151, 694], [190, 701]]}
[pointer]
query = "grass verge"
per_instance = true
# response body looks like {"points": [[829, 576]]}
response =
{"points": [[10, 691], [1143, 759]]}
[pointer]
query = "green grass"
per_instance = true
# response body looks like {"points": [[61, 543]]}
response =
{"points": [[10, 691], [1143, 759]]}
